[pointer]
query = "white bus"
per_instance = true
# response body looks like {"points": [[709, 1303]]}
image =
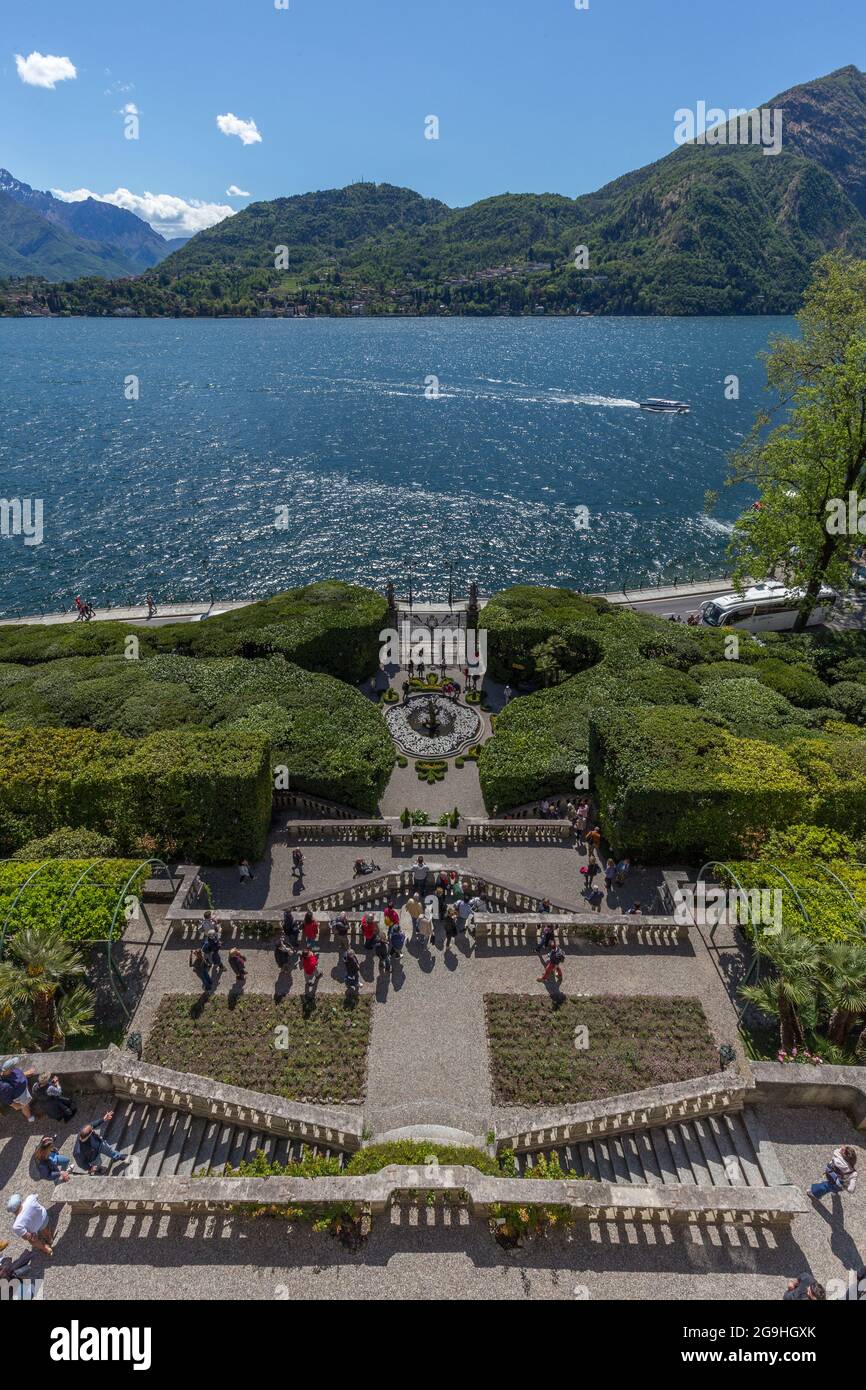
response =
{"points": [[768, 607]]}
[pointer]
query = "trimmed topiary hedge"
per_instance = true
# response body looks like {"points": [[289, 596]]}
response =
{"points": [[331, 627], [331, 739], [192, 794]]}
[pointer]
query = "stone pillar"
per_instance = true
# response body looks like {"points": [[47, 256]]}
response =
{"points": [[472, 610]]}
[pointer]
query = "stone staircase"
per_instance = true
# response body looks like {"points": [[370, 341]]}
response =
{"points": [[722, 1150], [160, 1141]]}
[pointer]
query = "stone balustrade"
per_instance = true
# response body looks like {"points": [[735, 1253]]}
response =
{"points": [[658, 1105], [482, 1194], [198, 1095], [287, 800], [338, 832], [519, 831], [510, 930]]}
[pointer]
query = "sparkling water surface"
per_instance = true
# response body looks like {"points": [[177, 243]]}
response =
{"points": [[339, 422]]}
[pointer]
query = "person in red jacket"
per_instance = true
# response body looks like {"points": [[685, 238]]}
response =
{"points": [[312, 973], [310, 929], [369, 930]]}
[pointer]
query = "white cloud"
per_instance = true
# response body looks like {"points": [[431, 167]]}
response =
{"points": [[246, 131], [130, 109], [44, 69], [234, 192], [167, 214]]}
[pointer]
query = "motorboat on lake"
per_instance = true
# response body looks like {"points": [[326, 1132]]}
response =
{"points": [[665, 407]]}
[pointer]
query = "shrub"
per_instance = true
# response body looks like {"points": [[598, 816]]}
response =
{"points": [[330, 627], [849, 698], [748, 707], [673, 783], [331, 739], [66, 843], [195, 794], [48, 901], [797, 683]]}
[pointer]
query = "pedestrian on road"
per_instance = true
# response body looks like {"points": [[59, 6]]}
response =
{"points": [[50, 1163], [151, 606], [31, 1222], [297, 863], [48, 1099], [840, 1175], [15, 1087], [609, 876], [91, 1145], [508, 693], [554, 965], [312, 973], [352, 966], [238, 965], [245, 872]]}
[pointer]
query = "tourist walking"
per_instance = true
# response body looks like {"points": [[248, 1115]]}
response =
{"points": [[546, 939], [291, 929], [840, 1175], [31, 1222], [380, 947], [50, 1163], [554, 965], [208, 923], [352, 967], [15, 1086], [151, 606], [451, 921], [211, 952], [310, 929], [419, 876], [391, 916], [283, 951], [91, 1145], [245, 872], [425, 930], [369, 930], [340, 930], [593, 840], [396, 941], [595, 898], [622, 870], [609, 876], [415, 909], [508, 693], [48, 1099], [298, 864], [198, 963], [238, 965], [312, 973]]}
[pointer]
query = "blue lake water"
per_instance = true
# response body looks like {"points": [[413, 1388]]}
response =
{"points": [[178, 491]]}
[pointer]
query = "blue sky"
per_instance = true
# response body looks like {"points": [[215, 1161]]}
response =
{"points": [[531, 95]]}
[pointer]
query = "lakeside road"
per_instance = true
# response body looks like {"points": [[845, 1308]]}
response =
{"points": [[666, 601]]}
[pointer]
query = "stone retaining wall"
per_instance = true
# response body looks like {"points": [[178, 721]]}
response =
{"points": [[786, 1083]]}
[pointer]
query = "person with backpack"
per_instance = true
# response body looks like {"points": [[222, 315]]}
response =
{"points": [[380, 947], [211, 952], [547, 939], [396, 940], [352, 966], [840, 1175], [238, 965], [48, 1099], [595, 898], [298, 864], [554, 965]]}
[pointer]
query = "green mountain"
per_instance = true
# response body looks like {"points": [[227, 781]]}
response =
{"points": [[708, 229]]}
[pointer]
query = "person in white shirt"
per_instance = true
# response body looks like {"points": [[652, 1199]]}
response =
{"points": [[31, 1221]]}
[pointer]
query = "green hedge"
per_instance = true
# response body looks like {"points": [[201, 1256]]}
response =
{"points": [[48, 900], [330, 627], [673, 783], [332, 740], [187, 794]]}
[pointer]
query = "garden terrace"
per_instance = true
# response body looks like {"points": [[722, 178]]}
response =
{"points": [[234, 1041], [538, 1059]]}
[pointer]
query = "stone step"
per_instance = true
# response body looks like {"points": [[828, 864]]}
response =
{"points": [[712, 1151], [162, 1142]]}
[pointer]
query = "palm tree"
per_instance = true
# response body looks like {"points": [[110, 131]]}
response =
{"points": [[39, 1005], [797, 961], [843, 986]]}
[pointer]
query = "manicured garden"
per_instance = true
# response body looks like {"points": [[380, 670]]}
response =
{"points": [[690, 754], [634, 1041], [280, 1047]]}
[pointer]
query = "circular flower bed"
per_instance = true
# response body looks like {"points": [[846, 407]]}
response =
{"points": [[456, 726]]}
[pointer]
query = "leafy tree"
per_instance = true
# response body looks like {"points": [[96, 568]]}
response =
{"points": [[42, 1001], [816, 457], [786, 997]]}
